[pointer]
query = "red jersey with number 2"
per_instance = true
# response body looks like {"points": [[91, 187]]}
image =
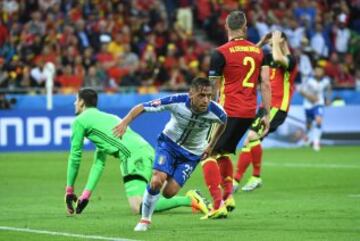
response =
{"points": [[240, 75]]}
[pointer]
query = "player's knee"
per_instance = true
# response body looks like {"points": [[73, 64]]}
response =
{"points": [[135, 208], [318, 123], [135, 204], [251, 136], [156, 183], [170, 190], [168, 193]]}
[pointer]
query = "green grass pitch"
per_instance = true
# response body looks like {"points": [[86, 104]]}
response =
{"points": [[305, 196]]}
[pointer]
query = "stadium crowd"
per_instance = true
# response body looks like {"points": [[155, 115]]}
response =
{"points": [[147, 45]]}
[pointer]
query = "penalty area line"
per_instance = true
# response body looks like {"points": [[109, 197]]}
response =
{"points": [[82, 236]]}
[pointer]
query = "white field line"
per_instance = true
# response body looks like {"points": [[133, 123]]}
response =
{"points": [[354, 195], [309, 165], [82, 236]]}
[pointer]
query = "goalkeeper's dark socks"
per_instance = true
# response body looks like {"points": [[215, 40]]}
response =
{"points": [[213, 180], [81, 205]]}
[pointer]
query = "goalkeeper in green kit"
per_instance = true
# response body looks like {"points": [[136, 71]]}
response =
{"points": [[135, 154]]}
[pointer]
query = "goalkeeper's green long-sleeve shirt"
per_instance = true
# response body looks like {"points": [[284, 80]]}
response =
{"points": [[97, 126]]}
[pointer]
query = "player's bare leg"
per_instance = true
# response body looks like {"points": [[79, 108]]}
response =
{"points": [[317, 133], [151, 196]]}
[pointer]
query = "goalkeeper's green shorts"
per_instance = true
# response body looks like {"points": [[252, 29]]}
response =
{"points": [[135, 188], [137, 170]]}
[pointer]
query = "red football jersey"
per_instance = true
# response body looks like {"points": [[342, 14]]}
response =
{"points": [[282, 81], [238, 62]]}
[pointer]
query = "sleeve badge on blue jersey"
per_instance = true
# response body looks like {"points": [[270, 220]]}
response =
{"points": [[161, 159], [155, 103]]}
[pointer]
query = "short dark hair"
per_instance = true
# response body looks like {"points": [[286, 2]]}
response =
{"points": [[236, 20], [89, 96], [284, 36], [200, 82]]}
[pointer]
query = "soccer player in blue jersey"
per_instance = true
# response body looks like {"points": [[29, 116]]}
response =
{"points": [[182, 143], [316, 91]]}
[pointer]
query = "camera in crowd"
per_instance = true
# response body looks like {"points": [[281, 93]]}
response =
{"points": [[6, 103]]}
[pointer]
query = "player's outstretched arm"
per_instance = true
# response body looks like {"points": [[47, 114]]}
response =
{"points": [[77, 141], [120, 128]]}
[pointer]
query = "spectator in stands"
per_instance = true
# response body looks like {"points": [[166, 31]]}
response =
{"points": [[129, 60], [4, 33], [116, 46], [63, 32], [10, 7], [185, 16], [78, 68], [318, 43], [305, 65], [89, 58], [93, 79], [295, 33], [105, 58], [82, 35], [357, 79], [343, 79], [45, 5], [3, 74], [36, 26], [261, 25], [69, 80], [68, 55], [305, 11], [6, 103], [37, 75], [342, 35], [8, 49], [331, 67]]}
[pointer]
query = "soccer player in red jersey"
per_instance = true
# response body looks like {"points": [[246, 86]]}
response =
{"points": [[283, 70], [235, 68]]}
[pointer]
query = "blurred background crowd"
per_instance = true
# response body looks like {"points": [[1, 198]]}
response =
{"points": [[152, 45]]}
